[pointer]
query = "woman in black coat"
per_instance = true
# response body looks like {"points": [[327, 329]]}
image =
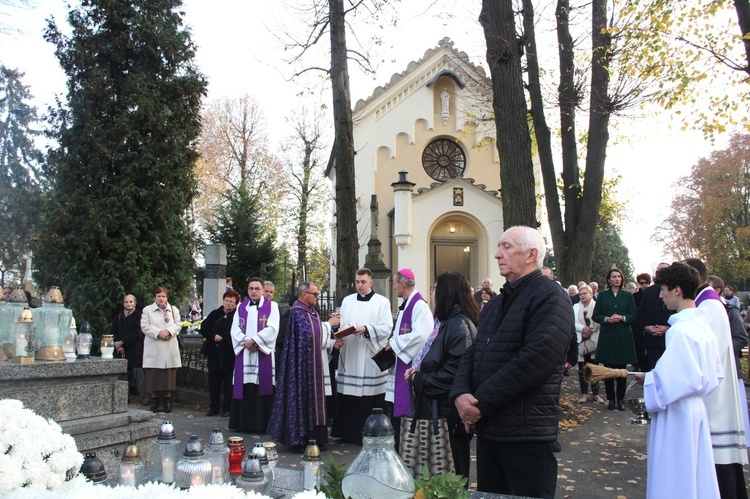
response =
{"points": [[431, 376], [216, 329], [126, 330]]}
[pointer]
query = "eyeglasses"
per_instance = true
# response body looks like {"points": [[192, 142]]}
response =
{"points": [[642, 282], [311, 293]]}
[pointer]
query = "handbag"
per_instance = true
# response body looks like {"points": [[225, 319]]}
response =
{"points": [[586, 347]]}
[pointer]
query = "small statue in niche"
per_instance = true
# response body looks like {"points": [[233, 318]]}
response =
{"points": [[445, 99]]}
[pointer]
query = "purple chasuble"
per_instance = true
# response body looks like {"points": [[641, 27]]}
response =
{"points": [[265, 367], [707, 294], [299, 403], [401, 395]]}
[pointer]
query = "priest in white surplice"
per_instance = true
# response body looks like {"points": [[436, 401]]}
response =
{"points": [[724, 405], [360, 382], [413, 326], [680, 456], [254, 331]]}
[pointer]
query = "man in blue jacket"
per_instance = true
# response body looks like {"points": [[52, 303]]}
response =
{"points": [[508, 385]]}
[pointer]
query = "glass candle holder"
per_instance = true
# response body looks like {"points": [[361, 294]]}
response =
{"points": [[131, 467], [193, 469], [236, 454], [217, 453], [107, 346], [166, 454]]}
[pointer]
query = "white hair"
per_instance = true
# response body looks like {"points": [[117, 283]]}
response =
{"points": [[532, 239]]}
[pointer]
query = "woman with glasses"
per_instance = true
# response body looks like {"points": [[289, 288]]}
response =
{"points": [[161, 324], [587, 333]]}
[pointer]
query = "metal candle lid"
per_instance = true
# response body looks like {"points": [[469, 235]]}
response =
{"points": [[131, 453], [193, 447], [53, 295], [166, 431], [18, 296], [234, 441], [312, 452], [251, 470], [377, 425], [216, 438], [260, 452], [26, 316]]}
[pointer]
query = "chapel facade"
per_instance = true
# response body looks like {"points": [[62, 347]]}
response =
{"points": [[427, 172]]}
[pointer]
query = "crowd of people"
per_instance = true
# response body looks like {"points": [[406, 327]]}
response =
{"points": [[464, 363]]}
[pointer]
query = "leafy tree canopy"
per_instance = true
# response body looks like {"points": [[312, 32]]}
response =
{"points": [[710, 216], [121, 179]]}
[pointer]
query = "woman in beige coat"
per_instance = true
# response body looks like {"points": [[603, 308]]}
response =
{"points": [[161, 324]]}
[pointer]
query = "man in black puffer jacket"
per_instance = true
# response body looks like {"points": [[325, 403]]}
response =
{"points": [[508, 384]]}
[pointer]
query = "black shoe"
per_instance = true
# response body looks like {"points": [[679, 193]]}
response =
{"points": [[611, 405], [556, 446], [155, 405], [224, 414], [167, 405], [298, 449], [620, 405], [212, 413]]}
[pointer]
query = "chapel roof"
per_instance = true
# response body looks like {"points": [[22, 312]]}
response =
{"points": [[446, 43]]}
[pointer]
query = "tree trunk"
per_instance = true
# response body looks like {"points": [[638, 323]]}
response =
{"points": [[742, 7], [573, 241], [511, 117], [347, 242], [543, 135]]}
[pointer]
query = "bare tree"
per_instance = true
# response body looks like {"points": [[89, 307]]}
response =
{"points": [[306, 184], [331, 17], [235, 154]]}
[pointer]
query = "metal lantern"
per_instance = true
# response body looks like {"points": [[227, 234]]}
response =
{"points": [[378, 470], [52, 324], [217, 453], [8, 317], [252, 479], [69, 343], [193, 468], [310, 466], [259, 451], [131, 467], [23, 331], [107, 346], [165, 454], [93, 468], [84, 342]]}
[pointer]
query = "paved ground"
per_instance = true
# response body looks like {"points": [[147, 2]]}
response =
{"points": [[603, 455]]}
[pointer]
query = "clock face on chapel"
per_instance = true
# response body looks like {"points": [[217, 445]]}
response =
{"points": [[443, 159]]}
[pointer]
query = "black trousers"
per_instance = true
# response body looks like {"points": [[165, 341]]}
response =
{"points": [[220, 390], [731, 481], [527, 469], [609, 384], [653, 354]]}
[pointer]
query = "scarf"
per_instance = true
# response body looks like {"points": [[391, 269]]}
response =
{"points": [[417, 362]]}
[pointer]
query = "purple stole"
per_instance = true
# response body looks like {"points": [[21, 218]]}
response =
{"points": [[401, 394], [318, 375], [707, 294], [265, 367]]}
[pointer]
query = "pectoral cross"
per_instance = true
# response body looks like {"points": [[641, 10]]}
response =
{"points": [[263, 320], [405, 329]]}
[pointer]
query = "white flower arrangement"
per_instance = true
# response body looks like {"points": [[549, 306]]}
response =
{"points": [[34, 452], [39, 461]]}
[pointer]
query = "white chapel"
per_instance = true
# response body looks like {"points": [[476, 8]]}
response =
{"points": [[427, 172]]}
